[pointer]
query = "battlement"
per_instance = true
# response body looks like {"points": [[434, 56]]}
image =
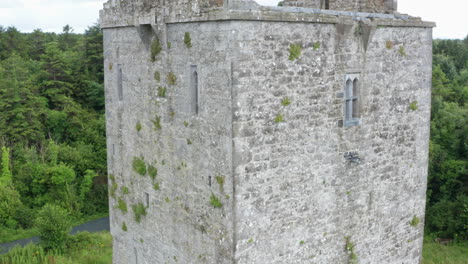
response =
{"points": [[372, 6]]}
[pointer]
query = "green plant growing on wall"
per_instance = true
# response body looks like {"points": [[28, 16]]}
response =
{"points": [[413, 106], [171, 78], [113, 188], [169, 45], [138, 126], [215, 202], [167, 200], [358, 30], [139, 210], [349, 247], [139, 165], [220, 181], [316, 45], [152, 171], [389, 44], [124, 227], [161, 91], [279, 118], [187, 40], [294, 51], [155, 49], [402, 51], [122, 205], [189, 142], [286, 101], [301, 242], [156, 186], [157, 123], [157, 76], [250, 240], [415, 221], [125, 190], [186, 123]]}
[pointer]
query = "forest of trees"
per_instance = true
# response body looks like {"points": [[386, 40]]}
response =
{"points": [[52, 129], [52, 126]]}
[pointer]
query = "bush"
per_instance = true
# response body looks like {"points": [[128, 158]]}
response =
{"points": [[53, 224]]}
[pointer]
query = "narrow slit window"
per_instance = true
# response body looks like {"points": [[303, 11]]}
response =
{"points": [[327, 4], [119, 82], [147, 199], [355, 99], [194, 89]]}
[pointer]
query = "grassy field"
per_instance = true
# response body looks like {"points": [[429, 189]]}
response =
{"points": [[435, 253], [96, 248], [84, 248]]}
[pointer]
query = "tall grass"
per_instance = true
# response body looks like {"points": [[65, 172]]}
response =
{"points": [[435, 253], [83, 248]]}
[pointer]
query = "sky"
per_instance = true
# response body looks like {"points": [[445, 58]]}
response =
{"points": [[51, 15]]}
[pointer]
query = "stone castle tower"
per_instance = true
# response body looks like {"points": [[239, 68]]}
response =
{"points": [[239, 133]]}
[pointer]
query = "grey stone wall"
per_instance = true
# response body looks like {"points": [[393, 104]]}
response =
{"points": [[288, 191], [378, 6], [297, 196], [181, 226]]}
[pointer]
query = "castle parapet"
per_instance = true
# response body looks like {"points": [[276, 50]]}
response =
{"points": [[371, 6]]}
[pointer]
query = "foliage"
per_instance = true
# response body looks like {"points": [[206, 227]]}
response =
{"points": [[279, 118], [294, 51], [353, 259], [161, 91], [435, 253], [138, 127], [152, 171], [157, 76], [316, 45], [402, 51], [215, 202], [139, 165], [413, 106], [124, 227], [54, 225], [187, 40], [171, 78], [139, 210], [447, 194], [5, 176], [286, 101], [389, 44], [156, 186], [415, 221], [156, 48], [157, 123], [122, 205], [81, 248]]}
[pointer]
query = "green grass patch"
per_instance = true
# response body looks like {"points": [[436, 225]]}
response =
{"points": [[162, 91], [279, 118], [157, 123], [156, 186], [125, 190], [156, 48], [139, 165], [122, 205], [435, 253], [187, 40], [157, 76], [294, 51], [171, 78], [139, 210], [215, 202], [152, 171], [138, 126], [95, 248], [413, 106], [286, 101]]}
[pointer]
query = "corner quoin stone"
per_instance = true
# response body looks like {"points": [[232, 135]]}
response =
{"points": [[253, 157]]}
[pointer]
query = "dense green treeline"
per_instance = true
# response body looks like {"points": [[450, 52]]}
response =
{"points": [[52, 127], [447, 195]]}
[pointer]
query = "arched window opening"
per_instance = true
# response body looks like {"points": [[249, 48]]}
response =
{"points": [[351, 102]]}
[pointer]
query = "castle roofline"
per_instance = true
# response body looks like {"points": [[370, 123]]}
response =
{"points": [[112, 16]]}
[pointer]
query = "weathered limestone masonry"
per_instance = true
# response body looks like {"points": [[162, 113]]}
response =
{"points": [[239, 133]]}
